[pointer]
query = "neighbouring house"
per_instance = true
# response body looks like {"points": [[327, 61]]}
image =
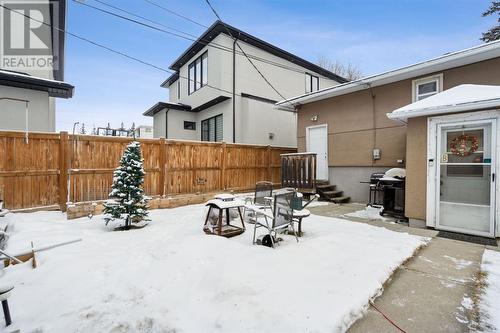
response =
{"points": [[144, 131], [27, 91], [348, 127], [27, 103], [216, 94]]}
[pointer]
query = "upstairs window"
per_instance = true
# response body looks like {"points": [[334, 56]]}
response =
{"points": [[189, 125], [179, 89], [198, 73], [312, 83], [211, 129], [426, 87]]}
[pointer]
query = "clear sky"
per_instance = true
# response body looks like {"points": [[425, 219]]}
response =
{"points": [[375, 35]]}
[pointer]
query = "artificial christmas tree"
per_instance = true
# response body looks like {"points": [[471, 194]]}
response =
{"points": [[128, 202]]}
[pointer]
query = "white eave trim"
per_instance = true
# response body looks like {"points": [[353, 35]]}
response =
{"points": [[469, 106], [456, 59]]}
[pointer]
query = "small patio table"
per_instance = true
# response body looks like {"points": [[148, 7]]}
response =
{"points": [[298, 215]]}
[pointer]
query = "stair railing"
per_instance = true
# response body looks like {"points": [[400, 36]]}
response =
{"points": [[299, 171]]}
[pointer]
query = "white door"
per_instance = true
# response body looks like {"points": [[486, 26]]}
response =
{"points": [[317, 142], [465, 179]]}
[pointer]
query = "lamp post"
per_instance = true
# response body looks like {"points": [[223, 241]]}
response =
{"points": [[74, 126]]}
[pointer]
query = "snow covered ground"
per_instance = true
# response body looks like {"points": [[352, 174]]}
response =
{"points": [[171, 276], [369, 213], [490, 301]]}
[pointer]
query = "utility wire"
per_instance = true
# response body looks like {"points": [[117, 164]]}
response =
{"points": [[236, 41], [141, 17], [111, 49], [176, 14], [193, 39]]}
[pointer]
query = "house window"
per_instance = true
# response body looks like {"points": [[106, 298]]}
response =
{"points": [[190, 125], [312, 83], [178, 89], [427, 87], [211, 129], [198, 73]]}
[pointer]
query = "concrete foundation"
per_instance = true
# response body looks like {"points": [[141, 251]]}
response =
{"points": [[348, 180], [417, 223]]}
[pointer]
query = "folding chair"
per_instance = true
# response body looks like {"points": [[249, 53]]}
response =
{"points": [[262, 197], [279, 220]]}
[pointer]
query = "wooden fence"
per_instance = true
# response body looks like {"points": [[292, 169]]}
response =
{"points": [[55, 168]]}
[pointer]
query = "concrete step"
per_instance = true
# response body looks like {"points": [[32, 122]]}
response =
{"points": [[322, 182], [341, 199], [332, 194], [326, 187]]}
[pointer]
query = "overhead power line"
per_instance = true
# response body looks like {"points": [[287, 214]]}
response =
{"points": [[110, 49], [176, 14], [141, 17], [193, 38], [241, 49]]}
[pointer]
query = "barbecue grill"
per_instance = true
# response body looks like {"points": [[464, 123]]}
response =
{"points": [[387, 190], [392, 184], [376, 195]]}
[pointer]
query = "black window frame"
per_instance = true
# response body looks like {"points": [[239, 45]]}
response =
{"points": [[193, 65], [188, 124], [309, 79], [207, 121], [178, 89]]}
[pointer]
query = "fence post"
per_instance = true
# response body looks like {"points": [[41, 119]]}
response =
{"points": [[63, 170], [223, 167], [162, 166]]}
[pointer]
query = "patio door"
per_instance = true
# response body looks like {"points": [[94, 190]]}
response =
{"points": [[317, 142], [465, 177]]}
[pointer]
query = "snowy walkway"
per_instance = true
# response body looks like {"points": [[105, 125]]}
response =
{"points": [[171, 276], [433, 292]]}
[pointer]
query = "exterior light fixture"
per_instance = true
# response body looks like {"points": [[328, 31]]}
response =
{"points": [[314, 118]]}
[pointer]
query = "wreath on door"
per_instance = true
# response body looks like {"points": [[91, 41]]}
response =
{"points": [[464, 145]]}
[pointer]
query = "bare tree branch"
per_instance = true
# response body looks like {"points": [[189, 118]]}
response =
{"points": [[348, 71]]}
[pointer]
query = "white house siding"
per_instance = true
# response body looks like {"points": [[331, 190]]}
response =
{"points": [[41, 111], [159, 124], [175, 125], [254, 119], [257, 119]]}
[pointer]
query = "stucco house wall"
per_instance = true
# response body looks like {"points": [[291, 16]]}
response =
{"points": [[357, 123]]}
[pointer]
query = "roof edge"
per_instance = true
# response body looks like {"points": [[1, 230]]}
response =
{"points": [[219, 27], [365, 82], [468, 106]]}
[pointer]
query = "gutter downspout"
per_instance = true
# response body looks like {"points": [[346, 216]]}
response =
{"points": [[166, 123], [234, 89]]}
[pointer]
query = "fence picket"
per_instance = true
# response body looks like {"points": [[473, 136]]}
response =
{"points": [[53, 168]]}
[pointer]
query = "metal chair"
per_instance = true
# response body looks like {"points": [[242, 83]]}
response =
{"points": [[262, 197], [279, 220]]}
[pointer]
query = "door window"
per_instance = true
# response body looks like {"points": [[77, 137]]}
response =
{"points": [[465, 177]]}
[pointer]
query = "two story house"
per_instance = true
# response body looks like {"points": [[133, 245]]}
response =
{"points": [[32, 69], [216, 94]]}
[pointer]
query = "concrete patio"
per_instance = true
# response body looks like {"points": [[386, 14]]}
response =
{"points": [[433, 292]]}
